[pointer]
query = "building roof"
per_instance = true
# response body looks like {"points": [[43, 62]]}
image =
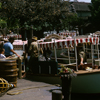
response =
{"points": [[81, 6]]}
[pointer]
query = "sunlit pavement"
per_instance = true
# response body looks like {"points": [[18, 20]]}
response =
{"points": [[28, 89]]}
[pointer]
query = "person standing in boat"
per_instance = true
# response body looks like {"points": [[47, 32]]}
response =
{"points": [[33, 52], [47, 53]]}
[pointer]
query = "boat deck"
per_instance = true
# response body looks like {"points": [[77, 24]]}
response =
{"points": [[79, 72], [87, 72]]}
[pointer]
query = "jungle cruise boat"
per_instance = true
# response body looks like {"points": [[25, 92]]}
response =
{"points": [[87, 80]]}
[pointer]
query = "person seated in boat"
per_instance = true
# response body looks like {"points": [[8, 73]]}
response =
{"points": [[81, 54], [10, 32], [2, 56], [47, 53], [9, 48], [2, 51], [81, 57]]}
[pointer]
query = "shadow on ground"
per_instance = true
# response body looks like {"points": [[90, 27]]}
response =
{"points": [[73, 96]]}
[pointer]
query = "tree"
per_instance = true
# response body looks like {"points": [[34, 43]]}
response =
{"points": [[42, 15], [14, 12], [95, 14]]}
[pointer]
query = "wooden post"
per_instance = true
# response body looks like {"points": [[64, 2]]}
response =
{"points": [[56, 95], [20, 68], [66, 86]]}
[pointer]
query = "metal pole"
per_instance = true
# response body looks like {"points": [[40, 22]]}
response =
{"points": [[98, 50], [55, 51], [69, 55], [92, 54], [23, 46], [38, 49], [75, 53], [84, 47]]}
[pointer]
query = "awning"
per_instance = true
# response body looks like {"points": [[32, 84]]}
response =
{"points": [[19, 44], [68, 42], [15, 36], [67, 34]]}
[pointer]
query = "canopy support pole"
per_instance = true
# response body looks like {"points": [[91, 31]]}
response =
{"points": [[98, 50], [75, 53], [38, 49], [23, 46], [92, 54], [55, 51], [69, 55]]}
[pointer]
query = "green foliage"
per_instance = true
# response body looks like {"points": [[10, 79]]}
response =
{"points": [[95, 12], [49, 15], [3, 24], [0, 4], [65, 70]]}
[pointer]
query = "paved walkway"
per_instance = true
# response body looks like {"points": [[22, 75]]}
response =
{"points": [[32, 90]]}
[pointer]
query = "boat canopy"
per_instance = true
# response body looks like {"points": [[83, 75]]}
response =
{"points": [[67, 34], [12, 35], [68, 42]]}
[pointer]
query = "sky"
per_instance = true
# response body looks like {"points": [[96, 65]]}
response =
{"points": [[82, 0]]}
